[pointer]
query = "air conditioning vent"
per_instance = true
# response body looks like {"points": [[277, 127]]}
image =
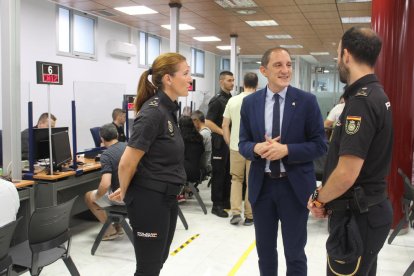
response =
{"points": [[104, 13]]}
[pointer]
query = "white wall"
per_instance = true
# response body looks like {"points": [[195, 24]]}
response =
{"points": [[38, 43]]}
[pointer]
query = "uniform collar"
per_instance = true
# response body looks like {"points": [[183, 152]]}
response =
{"points": [[172, 106], [354, 88], [226, 95]]}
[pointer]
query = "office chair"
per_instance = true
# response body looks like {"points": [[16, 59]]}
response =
{"points": [[95, 136], [115, 214], [48, 234], [6, 234], [407, 205]]}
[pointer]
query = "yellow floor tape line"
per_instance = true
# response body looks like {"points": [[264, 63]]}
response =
{"points": [[242, 259], [184, 245]]}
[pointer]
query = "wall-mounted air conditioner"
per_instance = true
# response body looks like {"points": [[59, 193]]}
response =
{"points": [[122, 49]]}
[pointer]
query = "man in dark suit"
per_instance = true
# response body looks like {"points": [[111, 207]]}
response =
{"points": [[281, 132]]}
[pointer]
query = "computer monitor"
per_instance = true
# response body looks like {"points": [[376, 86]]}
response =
{"points": [[41, 141], [60, 149]]}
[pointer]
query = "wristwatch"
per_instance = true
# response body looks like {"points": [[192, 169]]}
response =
{"points": [[315, 200]]}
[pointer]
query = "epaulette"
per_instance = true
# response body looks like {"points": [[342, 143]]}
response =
{"points": [[155, 102], [363, 92], [215, 98]]}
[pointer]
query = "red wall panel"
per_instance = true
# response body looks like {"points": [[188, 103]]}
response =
{"points": [[393, 20]]}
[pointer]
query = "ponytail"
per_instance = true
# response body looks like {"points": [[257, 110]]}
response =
{"points": [[145, 91]]}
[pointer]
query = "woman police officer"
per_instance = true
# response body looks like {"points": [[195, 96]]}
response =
{"points": [[151, 170]]}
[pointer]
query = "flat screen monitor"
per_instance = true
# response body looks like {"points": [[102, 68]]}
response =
{"points": [[41, 141], [60, 149]]}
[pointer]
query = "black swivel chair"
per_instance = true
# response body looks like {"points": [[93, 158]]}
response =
{"points": [[115, 214], [96, 137], [49, 240], [6, 234], [407, 205]]}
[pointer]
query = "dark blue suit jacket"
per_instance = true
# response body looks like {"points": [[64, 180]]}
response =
{"points": [[302, 131]]}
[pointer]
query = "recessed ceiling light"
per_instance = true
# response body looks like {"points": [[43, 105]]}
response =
{"points": [[262, 23], [293, 46], [182, 27], [284, 36], [246, 12], [319, 53], [326, 71], [356, 19], [236, 3], [207, 38], [135, 10]]}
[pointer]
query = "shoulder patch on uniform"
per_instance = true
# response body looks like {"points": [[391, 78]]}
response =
{"points": [[363, 92], [170, 128], [352, 124], [154, 102]]}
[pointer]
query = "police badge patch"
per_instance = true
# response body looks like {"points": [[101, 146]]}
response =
{"points": [[352, 124], [170, 128]]}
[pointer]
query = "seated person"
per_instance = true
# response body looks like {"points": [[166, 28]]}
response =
{"points": [[43, 122], [119, 119], [9, 201], [98, 199], [199, 123], [194, 148]]}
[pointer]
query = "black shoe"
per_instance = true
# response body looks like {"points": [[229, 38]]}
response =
{"points": [[235, 219], [219, 212], [248, 222]]}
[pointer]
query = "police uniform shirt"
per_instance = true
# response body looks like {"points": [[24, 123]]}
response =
{"points": [[121, 133], [216, 107], [364, 130], [155, 131]]}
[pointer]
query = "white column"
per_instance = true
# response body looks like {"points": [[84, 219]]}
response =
{"points": [[174, 22], [233, 61], [10, 62]]}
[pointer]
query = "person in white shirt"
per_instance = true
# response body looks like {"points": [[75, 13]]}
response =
{"points": [[239, 166], [9, 202], [334, 114]]}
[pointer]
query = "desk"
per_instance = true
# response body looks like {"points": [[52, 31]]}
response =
{"points": [[54, 189], [27, 207]]}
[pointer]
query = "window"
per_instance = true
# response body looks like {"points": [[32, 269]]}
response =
{"points": [[149, 48], [225, 64], [76, 34], [197, 62]]}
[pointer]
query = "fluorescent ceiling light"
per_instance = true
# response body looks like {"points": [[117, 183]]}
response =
{"points": [[293, 46], [135, 10], [319, 53], [326, 71], [236, 3], [352, 1], [356, 19], [224, 47], [182, 27], [335, 58], [262, 23], [284, 36], [207, 38], [258, 62], [246, 12]]}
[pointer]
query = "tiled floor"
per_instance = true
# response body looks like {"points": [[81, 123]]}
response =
{"points": [[218, 250]]}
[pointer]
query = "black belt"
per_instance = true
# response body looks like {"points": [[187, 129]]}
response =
{"points": [[165, 188], [272, 175], [350, 204]]}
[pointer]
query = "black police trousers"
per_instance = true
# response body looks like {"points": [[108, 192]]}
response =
{"points": [[374, 227], [153, 217], [221, 178]]}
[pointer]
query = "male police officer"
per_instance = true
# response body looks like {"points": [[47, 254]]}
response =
{"points": [[358, 161], [220, 185]]}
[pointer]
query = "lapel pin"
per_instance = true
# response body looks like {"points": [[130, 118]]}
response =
{"points": [[293, 103]]}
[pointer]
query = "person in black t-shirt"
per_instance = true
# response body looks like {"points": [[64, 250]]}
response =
{"points": [[98, 199], [151, 170], [220, 156], [118, 120], [353, 194]]}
